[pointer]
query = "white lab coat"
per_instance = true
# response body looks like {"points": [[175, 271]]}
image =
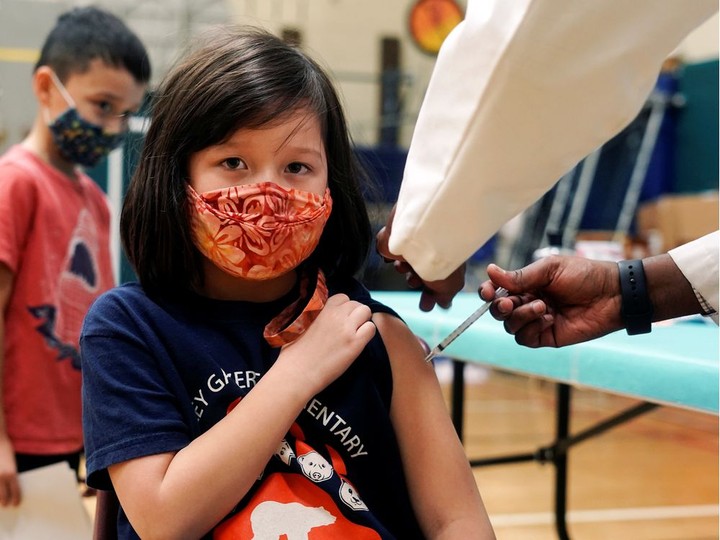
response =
{"points": [[523, 90], [698, 261]]}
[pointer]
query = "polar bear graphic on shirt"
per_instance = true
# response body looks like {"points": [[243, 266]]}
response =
{"points": [[350, 496], [272, 520], [284, 452], [315, 467]]}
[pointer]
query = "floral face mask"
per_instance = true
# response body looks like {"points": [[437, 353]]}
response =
{"points": [[258, 231], [78, 140]]}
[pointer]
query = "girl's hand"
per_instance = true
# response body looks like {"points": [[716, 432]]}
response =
{"points": [[331, 343]]}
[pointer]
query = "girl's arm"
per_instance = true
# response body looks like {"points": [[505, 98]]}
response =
{"points": [[185, 494], [442, 487]]}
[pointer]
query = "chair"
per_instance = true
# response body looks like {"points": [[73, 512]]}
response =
{"points": [[107, 507]]}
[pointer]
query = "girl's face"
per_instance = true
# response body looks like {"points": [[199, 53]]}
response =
{"points": [[289, 153]]}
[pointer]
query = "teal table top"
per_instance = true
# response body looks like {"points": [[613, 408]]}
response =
{"points": [[676, 364]]}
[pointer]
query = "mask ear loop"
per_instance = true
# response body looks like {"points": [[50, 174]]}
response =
{"points": [[61, 87], [289, 324]]}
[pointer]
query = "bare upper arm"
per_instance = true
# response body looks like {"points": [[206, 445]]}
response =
{"points": [[442, 487], [416, 391], [137, 483]]}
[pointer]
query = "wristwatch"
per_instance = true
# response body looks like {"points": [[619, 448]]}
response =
{"points": [[636, 310]]}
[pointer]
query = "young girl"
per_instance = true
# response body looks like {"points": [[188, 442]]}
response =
{"points": [[249, 387]]}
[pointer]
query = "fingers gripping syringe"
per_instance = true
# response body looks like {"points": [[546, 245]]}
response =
{"points": [[499, 293]]}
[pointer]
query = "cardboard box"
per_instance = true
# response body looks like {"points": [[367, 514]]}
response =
{"points": [[673, 220], [609, 246]]}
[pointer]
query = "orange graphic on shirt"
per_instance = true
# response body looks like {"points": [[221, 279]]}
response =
{"points": [[289, 506], [292, 506]]}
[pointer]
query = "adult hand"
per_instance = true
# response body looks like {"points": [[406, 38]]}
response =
{"points": [[557, 300], [9, 485], [440, 292]]}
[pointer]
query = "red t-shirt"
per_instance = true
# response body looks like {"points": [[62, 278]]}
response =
{"points": [[54, 236]]}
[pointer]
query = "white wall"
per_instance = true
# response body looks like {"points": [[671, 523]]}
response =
{"points": [[345, 36]]}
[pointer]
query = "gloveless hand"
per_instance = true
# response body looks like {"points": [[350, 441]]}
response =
{"points": [[556, 301], [439, 292], [9, 485], [331, 343]]}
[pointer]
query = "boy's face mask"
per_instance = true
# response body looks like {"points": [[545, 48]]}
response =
{"points": [[78, 140], [258, 231]]}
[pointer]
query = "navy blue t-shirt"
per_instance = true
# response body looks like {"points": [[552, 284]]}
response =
{"points": [[158, 373]]}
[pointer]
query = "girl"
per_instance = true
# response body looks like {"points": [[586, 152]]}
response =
{"points": [[249, 387]]}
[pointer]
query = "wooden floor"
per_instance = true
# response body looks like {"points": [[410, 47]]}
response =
{"points": [[654, 478]]}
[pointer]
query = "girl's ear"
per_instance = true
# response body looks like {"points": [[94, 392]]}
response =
{"points": [[42, 85]]}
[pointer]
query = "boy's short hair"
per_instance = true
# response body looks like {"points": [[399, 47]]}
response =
{"points": [[84, 34]]}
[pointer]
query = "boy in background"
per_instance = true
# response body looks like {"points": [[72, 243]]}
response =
{"points": [[54, 234]]}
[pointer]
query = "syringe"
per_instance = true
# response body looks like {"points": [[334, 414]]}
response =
{"points": [[499, 293]]}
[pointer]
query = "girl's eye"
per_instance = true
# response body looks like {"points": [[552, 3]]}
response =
{"points": [[234, 163], [297, 168]]}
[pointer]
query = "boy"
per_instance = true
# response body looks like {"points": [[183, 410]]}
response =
{"points": [[54, 234]]}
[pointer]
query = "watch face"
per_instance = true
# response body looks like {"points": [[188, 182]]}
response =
{"points": [[430, 22]]}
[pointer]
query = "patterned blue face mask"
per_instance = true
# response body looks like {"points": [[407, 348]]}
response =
{"points": [[78, 140]]}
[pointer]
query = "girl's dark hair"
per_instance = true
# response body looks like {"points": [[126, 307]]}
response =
{"points": [[84, 34], [239, 78]]}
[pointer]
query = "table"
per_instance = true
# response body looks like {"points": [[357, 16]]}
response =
{"points": [[675, 365]]}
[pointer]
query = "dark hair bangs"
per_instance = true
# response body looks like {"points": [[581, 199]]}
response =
{"points": [[247, 92]]}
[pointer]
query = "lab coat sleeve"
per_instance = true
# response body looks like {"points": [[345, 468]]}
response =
{"points": [[698, 261], [521, 91]]}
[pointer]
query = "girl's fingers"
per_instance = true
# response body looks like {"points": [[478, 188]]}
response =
{"points": [[366, 331], [359, 314]]}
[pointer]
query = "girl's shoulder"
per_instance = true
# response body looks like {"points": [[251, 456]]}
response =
{"points": [[127, 294], [358, 292], [121, 306]]}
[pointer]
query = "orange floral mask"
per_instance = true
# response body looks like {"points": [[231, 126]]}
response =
{"points": [[257, 231]]}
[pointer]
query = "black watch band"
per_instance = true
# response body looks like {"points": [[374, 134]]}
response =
{"points": [[636, 310]]}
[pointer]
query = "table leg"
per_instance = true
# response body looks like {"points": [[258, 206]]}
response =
{"points": [[557, 452], [458, 397], [560, 459]]}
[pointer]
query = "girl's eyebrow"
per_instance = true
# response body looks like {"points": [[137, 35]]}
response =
{"points": [[234, 141], [306, 150], [297, 147]]}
